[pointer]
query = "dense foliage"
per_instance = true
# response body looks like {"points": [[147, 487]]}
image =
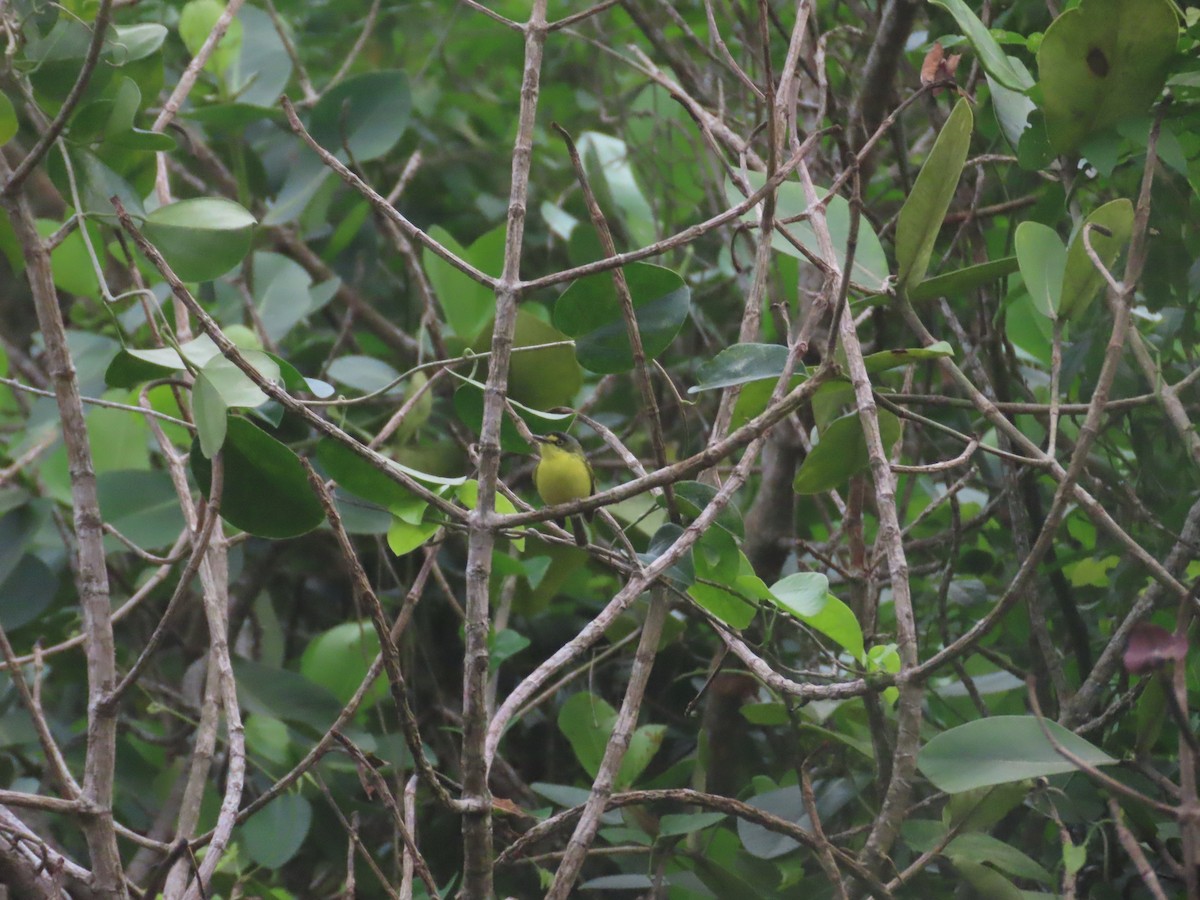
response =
{"points": [[876, 320]]}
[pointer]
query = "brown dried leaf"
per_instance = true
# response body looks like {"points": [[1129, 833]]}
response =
{"points": [[938, 67]]}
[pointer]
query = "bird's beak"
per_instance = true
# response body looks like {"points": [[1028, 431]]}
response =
{"points": [[540, 439]]}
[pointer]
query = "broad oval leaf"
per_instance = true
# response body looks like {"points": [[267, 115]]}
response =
{"points": [[1043, 259], [1013, 108], [363, 373], [234, 386], [806, 596], [694, 496], [841, 453], [129, 43], [273, 835], [543, 378], [589, 311], [606, 160], [923, 212], [266, 491], [26, 591], [1081, 279], [201, 239], [211, 415], [196, 22], [338, 659], [466, 304], [1102, 61], [740, 364], [142, 505], [831, 796], [871, 268], [367, 113], [725, 605], [586, 721], [1001, 749], [282, 694], [405, 537]]}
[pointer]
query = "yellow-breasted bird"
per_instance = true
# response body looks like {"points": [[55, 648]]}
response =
{"points": [[563, 474]]}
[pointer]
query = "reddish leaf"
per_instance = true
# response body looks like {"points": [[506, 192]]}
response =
{"points": [[1151, 647]]}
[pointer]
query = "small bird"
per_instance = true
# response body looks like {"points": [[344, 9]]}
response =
{"points": [[563, 474]]}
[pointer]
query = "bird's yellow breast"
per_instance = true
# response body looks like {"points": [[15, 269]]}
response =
{"points": [[561, 476]]}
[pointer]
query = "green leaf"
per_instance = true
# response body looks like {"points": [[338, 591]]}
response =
{"points": [[270, 691], [717, 560], [263, 68], [997, 65], [201, 239], [544, 378], [982, 848], [1000, 749], [831, 797], [1043, 259], [841, 453], [687, 823], [285, 293], [1082, 281], [235, 387], [367, 113], [590, 312], [142, 505], [26, 591], [17, 530], [988, 883], [125, 44], [356, 475], [70, 263], [806, 596], [892, 359], [363, 373], [1102, 61], [267, 738], [587, 723], [643, 746], [266, 491], [870, 262], [607, 163], [1013, 108], [1074, 856], [923, 212], [740, 364], [963, 281], [273, 835], [98, 184], [467, 304], [196, 22], [338, 659], [468, 404], [8, 119], [694, 496], [754, 397], [725, 605], [210, 413], [405, 537]]}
